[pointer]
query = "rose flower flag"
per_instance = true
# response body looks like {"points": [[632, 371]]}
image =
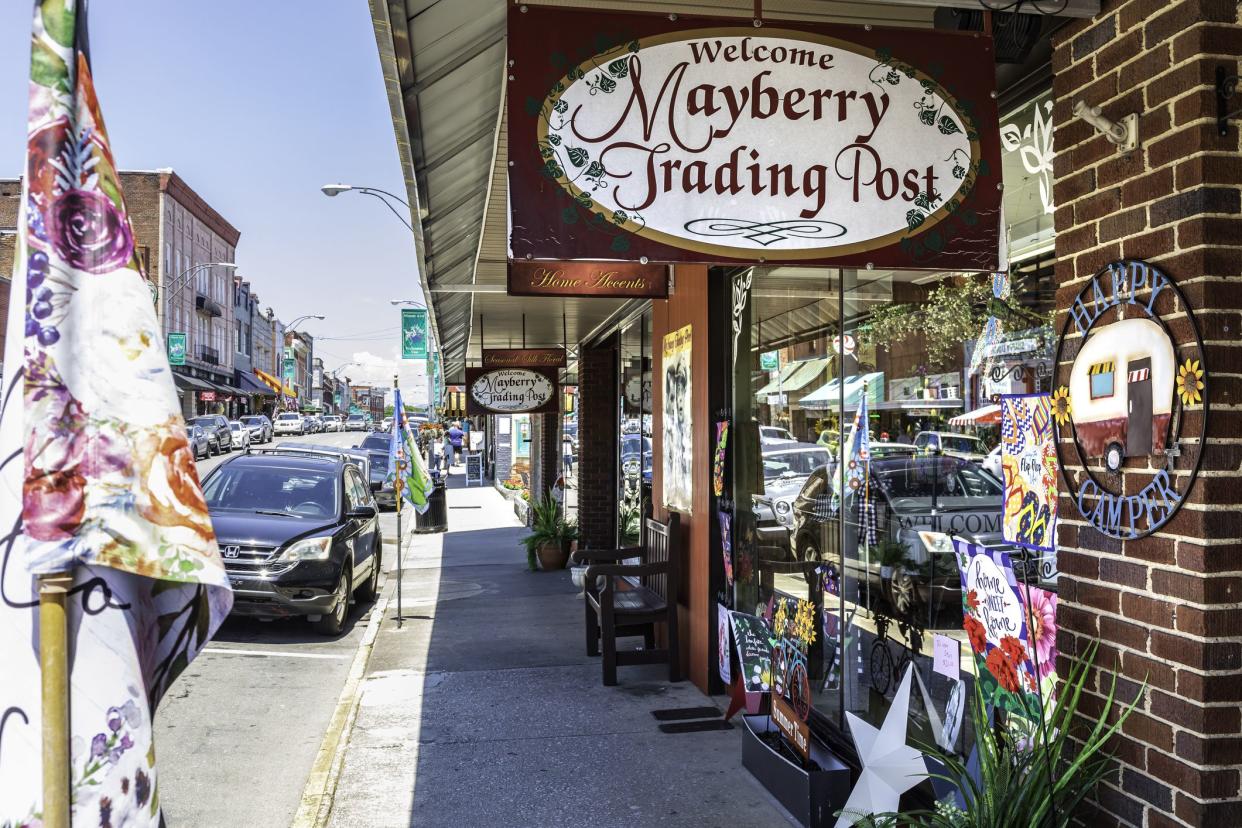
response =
{"points": [[96, 476]]}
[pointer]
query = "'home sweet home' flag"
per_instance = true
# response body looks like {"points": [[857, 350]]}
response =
{"points": [[96, 475]]}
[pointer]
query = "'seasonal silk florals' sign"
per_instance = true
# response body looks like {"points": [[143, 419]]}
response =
{"points": [[632, 280], [99, 479], [413, 333], [1132, 389], [524, 358], [511, 391], [1029, 467], [698, 139]]}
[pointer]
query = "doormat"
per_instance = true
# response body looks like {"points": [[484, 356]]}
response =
{"points": [[675, 713], [696, 727]]}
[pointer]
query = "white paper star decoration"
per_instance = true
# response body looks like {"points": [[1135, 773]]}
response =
{"points": [[890, 767]]}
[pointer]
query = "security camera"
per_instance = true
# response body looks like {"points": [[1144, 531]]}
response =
{"points": [[1123, 134]]}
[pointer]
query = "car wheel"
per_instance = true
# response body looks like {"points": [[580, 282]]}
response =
{"points": [[212, 452], [370, 590], [904, 593], [334, 622]]}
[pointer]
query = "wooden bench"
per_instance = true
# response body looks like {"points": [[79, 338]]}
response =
{"points": [[630, 599]]}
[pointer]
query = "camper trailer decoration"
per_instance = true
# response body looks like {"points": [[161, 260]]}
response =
{"points": [[1132, 398], [1029, 467]]}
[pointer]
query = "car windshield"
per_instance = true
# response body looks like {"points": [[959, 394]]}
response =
{"points": [[794, 463], [772, 431], [959, 443], [235, 426], [252, 488], [289, 416], [376, 441], [927, 477], [252, 420], [203, 421]]}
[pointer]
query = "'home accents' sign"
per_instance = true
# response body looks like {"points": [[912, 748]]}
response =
{"points": [[511, 391], [523, 357], [604, 279], [698, 139], [1132, 396]]}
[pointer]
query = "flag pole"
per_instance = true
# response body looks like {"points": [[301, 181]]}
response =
{"points": [[399, 482], [54, 667]]}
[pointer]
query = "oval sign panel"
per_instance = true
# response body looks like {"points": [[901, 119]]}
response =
{"points": [[512, 390], [785, 145]]}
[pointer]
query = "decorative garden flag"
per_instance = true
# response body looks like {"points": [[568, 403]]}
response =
{"points": [[99, 479], [857, 457], [1029, 466], [405, 462]]}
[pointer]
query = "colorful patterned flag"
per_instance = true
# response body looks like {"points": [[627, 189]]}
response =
{"points": [[405, 461], [858, 455], [98, 478], [1029, 468]]}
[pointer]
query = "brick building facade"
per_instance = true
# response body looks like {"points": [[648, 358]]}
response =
{"points": [[597, 446], [1165, 607]]}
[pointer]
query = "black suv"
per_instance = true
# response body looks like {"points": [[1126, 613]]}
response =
{"points": [[218, 431], [298, 533]]}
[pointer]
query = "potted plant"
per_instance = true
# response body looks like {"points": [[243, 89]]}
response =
{"points": [[550, 535], [889, 554]]}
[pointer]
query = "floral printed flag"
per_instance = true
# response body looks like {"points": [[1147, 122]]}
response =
{"points": [[1029, 464], [97, 477]]}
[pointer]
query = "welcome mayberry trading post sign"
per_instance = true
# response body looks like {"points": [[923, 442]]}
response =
{"points": [[704, 139]]}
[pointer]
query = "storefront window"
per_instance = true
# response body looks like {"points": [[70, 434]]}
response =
{"points": [[869, 555], [634, 452]]}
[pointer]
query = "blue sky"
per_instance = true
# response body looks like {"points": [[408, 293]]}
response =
{"points": [[256, 107]]}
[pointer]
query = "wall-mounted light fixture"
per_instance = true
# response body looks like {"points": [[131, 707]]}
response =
{"points": [[1124, 133]]}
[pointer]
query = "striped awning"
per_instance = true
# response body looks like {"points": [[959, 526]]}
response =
{"points": [[275, 384], [1101, 368], [1140, 375]]}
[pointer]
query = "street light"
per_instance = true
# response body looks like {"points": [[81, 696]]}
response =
{"points": [[289, 327], [182, 279], [413, 302], [332, 190]]}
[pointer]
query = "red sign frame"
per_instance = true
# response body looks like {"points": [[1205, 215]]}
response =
{"points": [[524, 358], [552, 46], [549, 406]]}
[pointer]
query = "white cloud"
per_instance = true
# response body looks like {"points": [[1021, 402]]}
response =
{"points": [[378, 370]]}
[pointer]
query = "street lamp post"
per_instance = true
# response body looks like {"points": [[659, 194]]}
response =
{"points": [[333, 190], [431, 391], [291, 328]]}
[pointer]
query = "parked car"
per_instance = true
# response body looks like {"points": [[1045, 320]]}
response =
{"points": [[636, 457], [290, 423], [769, 435], [241, 434], [260, 428], [965, 446], [298, 532], [786, 466], [386, 424], [216, 425], [313, 424], [355, 422], [200, 443], [331, 422], [992, 464], [927, 493], [375, 446]]}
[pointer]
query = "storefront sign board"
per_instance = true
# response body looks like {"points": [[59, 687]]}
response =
{"points": [[705, 139], [524, 358], [770, 361], [631, 280], [511, 391], [413, 333], [795, 731], [753, 640], [207, 396]]}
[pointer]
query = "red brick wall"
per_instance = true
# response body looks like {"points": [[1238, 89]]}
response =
{"points": [[598, 377], [1165, 608]]}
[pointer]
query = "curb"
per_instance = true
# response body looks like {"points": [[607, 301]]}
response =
{"points": [[319, 793]]}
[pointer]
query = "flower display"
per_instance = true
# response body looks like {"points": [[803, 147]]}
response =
{"points": [[972, 600], [1041, 632], [978, 636], [1190, 382], [1004, 670], [89, 233], [1061, 410]]}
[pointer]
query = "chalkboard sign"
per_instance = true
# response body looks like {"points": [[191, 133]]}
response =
{"points": [[474, 468], [753, 640]]}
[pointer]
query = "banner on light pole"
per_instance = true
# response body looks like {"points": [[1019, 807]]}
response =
{"points": [[413, 333]]}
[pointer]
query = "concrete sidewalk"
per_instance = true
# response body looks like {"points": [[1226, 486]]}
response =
{"points": [[483, 709]]}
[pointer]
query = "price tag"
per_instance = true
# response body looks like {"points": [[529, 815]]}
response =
{"points": [[948, 656]]}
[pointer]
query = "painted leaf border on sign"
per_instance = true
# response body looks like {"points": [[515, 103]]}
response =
{"points": [[920, 220]]}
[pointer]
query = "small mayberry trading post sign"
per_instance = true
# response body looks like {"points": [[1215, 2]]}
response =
{"points": [[667, 138], [1132, 402]]}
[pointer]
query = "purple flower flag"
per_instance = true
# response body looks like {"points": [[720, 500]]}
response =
{"points": [[97, 478]]}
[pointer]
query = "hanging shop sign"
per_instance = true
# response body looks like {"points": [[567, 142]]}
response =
{"points": [[1132, 397], [413, 333], [524, 358], [207, 396], [698, 139], [632, 280], [176, 348], [511, 391], [770, 361]]}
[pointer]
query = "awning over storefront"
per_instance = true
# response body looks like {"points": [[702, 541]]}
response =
{"points": [[251, 384], [778, 385], [988, 415], [273, 383], [187, 383], [799, 376], [829, 396]]}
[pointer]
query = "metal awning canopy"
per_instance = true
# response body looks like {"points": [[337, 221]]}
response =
{"points": [[445, 68]]}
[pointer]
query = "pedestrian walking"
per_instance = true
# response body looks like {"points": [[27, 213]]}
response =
{"points": [[567, 455], [446, 453], [455, 437]]}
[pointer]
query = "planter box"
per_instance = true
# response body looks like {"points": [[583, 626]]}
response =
{"points": [[811, 796]]}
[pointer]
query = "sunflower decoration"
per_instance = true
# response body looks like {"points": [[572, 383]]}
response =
{"points": [[1061, 405], [1190, 382]]}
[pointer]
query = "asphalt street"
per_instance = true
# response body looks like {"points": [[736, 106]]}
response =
{"points": [[239, 730]]}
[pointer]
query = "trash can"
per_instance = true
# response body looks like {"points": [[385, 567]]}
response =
{"points": [[435, 519]]}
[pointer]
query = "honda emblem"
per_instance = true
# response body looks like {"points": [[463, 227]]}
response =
{"points": [[232, 551]]}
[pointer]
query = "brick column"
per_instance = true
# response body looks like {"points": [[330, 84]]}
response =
{"points": [[598, 377], [1165, 608]]}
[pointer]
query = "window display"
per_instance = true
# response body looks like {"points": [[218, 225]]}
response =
{"points": [[635, 449]]}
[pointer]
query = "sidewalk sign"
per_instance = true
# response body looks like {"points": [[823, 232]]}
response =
{"points": [[474, 468]]}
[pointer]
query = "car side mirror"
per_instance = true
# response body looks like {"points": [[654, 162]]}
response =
{"points": [[363, 512], [377, 487]]}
